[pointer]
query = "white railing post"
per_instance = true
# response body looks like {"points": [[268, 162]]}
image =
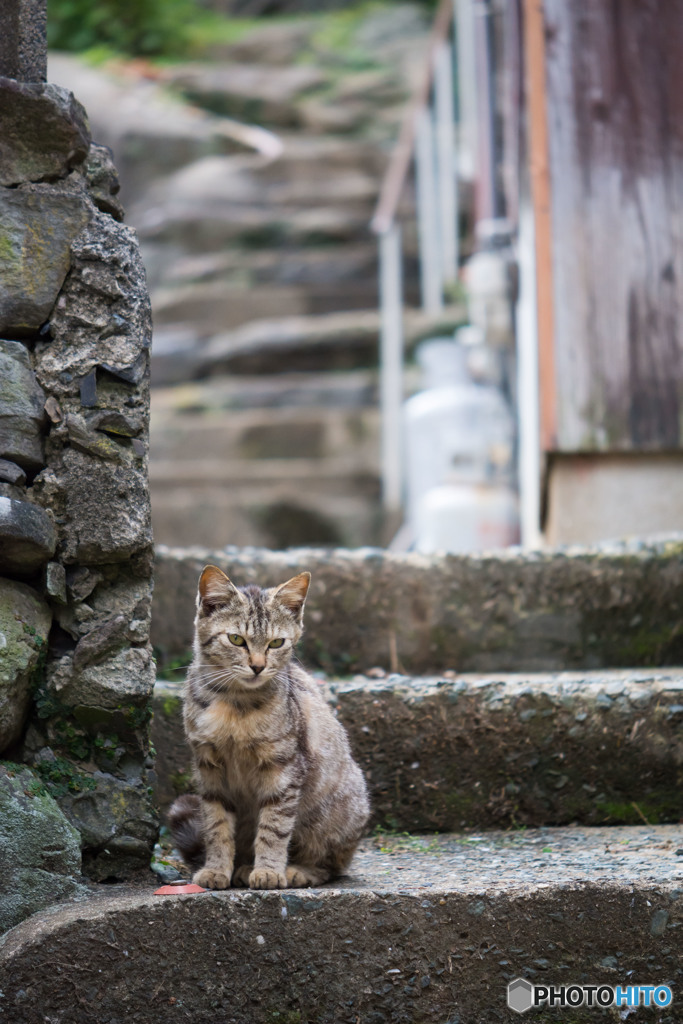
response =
{"points": [[528, 413], [445, 160], [467, 97], [486, 157], [431, 278], [391, 366]]}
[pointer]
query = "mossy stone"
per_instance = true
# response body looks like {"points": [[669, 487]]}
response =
{"points": [[24, 625], [40, 852]]}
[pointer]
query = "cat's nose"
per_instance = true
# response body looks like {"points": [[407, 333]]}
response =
{"points": [[257, 668]]}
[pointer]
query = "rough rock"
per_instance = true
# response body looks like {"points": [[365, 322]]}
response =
{"points": [[103, 180], [37, 226], [22, 409], [40, 852], [44, 132], [24, 626], [23, 42], [107, 516], [55, 582], [422, 929], [10, 491], [91, 442], [103, 317], [27, 537], [11, 473], [117, 823], [126, 592], [612, 605], [126, 678]]}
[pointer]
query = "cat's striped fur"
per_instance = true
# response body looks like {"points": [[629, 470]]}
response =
{"points": [[280, 801]]}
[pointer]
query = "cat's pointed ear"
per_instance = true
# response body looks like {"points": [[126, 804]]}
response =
{"points": [[215, 589], [292, 594]]}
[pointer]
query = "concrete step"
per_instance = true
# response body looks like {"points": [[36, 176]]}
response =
{"points": [[356, 389], [330, 342], [614, 605], [200, 227], [221, 305], [422, 929], [278, 502], [341, 340], [488, 751], [314, 265], [324, 153], [256, 93], [260, 434]]}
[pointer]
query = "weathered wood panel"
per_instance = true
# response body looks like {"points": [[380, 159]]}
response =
{"points": [[615, 122]]}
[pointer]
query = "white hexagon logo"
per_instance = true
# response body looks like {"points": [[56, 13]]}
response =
{"points": [[520, 995]]}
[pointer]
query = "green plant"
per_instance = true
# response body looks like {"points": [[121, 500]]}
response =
{"points": [[62, 777], [138, 27], [136, 718]]}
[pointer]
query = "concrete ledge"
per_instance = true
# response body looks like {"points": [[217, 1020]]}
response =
{"points": [[483, 751], [585, 608], [428, 929]]}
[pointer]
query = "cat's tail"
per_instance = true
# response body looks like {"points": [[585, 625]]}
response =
{"points": [[184, 819]]}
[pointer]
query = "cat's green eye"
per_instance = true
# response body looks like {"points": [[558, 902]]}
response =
{"points": [[236, 639], [276, 643]]}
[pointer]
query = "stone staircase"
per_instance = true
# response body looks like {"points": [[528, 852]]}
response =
{"points": [[260, 263], [518, 717], [277, 458]]}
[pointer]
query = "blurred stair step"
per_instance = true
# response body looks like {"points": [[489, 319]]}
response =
{"points": [[221, 306], [280, 511], [259, 435], [355, 389], [326, 341], [311, 265]]}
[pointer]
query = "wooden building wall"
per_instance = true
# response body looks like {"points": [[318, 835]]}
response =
{"points": [[614, 81]]}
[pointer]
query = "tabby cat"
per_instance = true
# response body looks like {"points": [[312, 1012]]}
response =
{"points": [[280, 801]]}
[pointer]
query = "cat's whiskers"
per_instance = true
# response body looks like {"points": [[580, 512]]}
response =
{"points": [[214, 680]]}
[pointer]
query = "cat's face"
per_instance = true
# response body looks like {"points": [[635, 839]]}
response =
{"points": [[246, 636]]}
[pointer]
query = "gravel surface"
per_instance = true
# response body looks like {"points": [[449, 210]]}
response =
{"points": [[529, 859]]}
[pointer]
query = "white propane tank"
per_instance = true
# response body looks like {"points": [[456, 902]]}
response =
{"points": [[441, 361], [488, 297], [459, 457], [462, 518]]}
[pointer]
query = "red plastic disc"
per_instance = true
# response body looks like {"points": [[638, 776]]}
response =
{"points": [[178, 890]]}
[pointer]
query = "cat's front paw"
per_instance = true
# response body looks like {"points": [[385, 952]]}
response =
{"points": [[211, 878], [299, 877], [241, 876], [266, 878]]}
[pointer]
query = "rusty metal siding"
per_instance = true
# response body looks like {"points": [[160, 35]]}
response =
{"points": [[615, 125]]}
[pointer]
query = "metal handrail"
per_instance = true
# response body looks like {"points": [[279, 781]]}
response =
{"points": [[438, 261], [401, 158]]}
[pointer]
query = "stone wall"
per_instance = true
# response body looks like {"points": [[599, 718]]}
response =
{"points": [[76, 671]]}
